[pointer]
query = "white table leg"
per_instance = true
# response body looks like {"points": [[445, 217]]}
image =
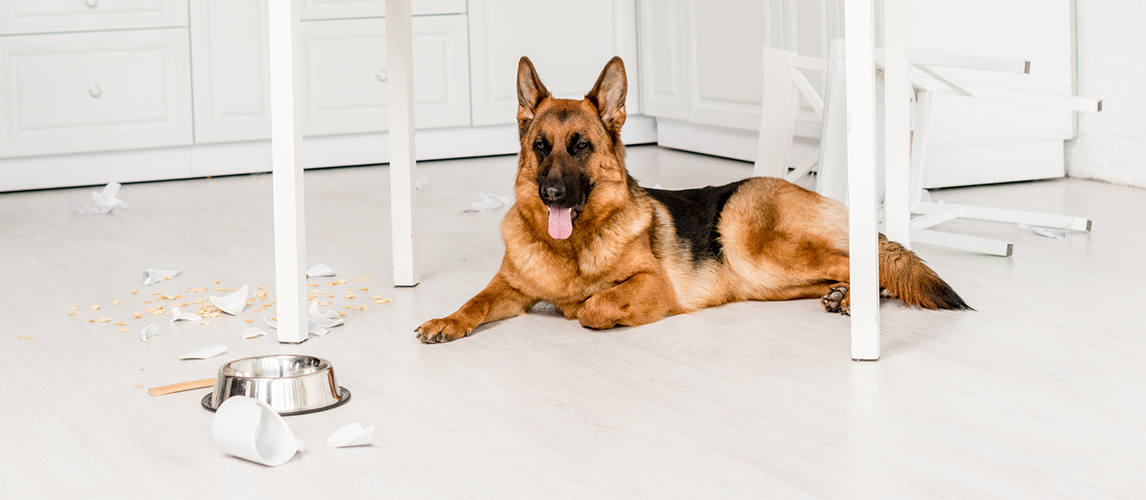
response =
{"points": [[400, 65], [286, 167], [863, 230], [897, 121]]}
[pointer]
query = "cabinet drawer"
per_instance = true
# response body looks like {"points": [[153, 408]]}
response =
{"points": [[80, 92], [52, 16], [350, 9], [344, 75]]}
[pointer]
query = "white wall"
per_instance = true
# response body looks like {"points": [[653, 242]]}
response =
{"points": [[1111, 145]]}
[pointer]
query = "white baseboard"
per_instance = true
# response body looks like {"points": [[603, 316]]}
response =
{"points": [[202, 160], [707, 139]]}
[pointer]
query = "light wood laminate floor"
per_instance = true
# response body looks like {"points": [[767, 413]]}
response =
{"points": [[1040, 393]]}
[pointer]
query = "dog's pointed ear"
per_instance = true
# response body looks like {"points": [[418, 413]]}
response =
{"points": [[530, 93], [608, 95]]}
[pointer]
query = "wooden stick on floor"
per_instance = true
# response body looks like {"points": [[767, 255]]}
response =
{"points": [[180, 387]]}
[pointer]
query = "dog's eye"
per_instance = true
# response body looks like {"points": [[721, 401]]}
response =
{"points": [[581, 145]]}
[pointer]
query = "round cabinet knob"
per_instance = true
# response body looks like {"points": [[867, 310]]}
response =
{"points": [[91, 3], [382, 75], [94, 90]]}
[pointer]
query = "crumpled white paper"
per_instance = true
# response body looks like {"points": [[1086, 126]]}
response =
{"points": [[311, 327], [489, 201], [176, 315], [351, 435], [151, 276], [147, 330], [253, 332], [319, 270], [1042, 231], [231, 304], [328, 319], [104, 201], [206, 352]]}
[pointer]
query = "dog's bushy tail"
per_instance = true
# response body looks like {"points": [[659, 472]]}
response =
{"points": [[904, 276]]}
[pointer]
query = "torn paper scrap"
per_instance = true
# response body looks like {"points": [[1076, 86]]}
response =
{"points": [[351, 435], [104, 201], [206, 352], [1042, 231], [311, 327], [182, 316], [231, 304], [253, 332], [151, 276], [319, 270], [489, 201], [328, 319], [148, 330]]}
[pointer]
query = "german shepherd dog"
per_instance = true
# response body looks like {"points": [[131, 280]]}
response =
{"points": [[585, 237]]}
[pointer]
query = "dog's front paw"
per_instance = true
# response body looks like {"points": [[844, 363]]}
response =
{"points": [[838, 300], [441, 330]]}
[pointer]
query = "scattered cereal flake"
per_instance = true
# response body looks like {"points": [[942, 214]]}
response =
{"points": [[205, 323], [137, 314], [361, 307], [124, 330], [382, 301], [115, 302], [166, 277], [312, 284], [335, 282], [105, 320], [71, 314], [29, 338], [324, 303], [135, 292], [157, 293], [184, 304], [19, 338], [249, 320], [216, 282], [350, 294], [147, 302], [75, 306], [261, 295], [199, 301], [95, 307], [120, 323], [364, 289], [221, 289], [137, 386], [199, 290], [262, 288], [91, 321], [348, 307], [342, 313]]}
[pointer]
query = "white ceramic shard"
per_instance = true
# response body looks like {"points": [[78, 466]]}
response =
{"points": [[250, 429], [329, 319], [351, 435], [489, 201], [311, 327], [177, 315], [253, 332], [1042, 231], [206, 352], [232, 304], [152, 276], [147, 330], [104, 201], [319, 270]]}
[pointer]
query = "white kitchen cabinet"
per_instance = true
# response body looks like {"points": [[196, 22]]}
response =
{"points": [[344, 75], [310, 10], [73, 92], [569, 43], [50, 16], [664, 80], [231, 78]]}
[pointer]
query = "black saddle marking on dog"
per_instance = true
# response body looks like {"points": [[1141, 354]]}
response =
{"points": [[696, 213]]}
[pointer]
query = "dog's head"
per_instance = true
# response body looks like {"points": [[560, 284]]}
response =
{"points": [[572, 158]]}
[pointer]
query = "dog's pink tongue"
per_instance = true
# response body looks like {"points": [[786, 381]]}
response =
{"points": [[560, 222]]}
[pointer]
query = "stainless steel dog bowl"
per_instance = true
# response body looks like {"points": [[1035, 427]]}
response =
{"points": [[291, 384]]}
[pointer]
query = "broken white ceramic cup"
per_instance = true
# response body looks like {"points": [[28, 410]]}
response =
{"points": [[351, 435], [319, 270], [311, 327], [152, 276], [250, 429], [232, 304], [177, 315], [253, 332], [147, 330], [206, 352], [327, 319]]}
